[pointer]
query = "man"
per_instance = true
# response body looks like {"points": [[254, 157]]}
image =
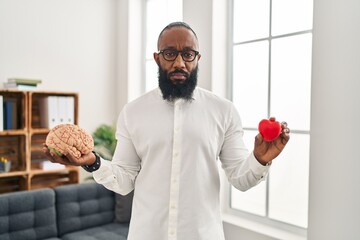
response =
{"points": [[168, 145]]}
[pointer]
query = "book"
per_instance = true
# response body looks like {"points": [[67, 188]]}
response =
{"points": [[25, 81], [10, 114], [14, 85]]}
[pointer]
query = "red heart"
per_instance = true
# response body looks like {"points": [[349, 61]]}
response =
{"points": [[269, 129]]}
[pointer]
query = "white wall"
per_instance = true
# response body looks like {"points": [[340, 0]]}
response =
{"points": [[70, 45], [334, 209], [198, 14]]}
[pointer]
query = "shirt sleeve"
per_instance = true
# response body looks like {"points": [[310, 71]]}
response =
{"points": [[119, 174], [241, 167]]}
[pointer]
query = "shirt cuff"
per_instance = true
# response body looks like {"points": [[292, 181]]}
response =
{"points": [[257, 168], [104, 171]]}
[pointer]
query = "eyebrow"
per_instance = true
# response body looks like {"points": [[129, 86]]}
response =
{"points": [[174, 48]]}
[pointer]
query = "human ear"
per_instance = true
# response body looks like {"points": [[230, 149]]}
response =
{"points": [[156, 58], [198, 56]]}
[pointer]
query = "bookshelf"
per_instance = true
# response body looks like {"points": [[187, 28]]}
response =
{"points": [[21, 143]]}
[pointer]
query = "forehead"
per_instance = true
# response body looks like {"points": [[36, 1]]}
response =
{"points": [[179, 38]]}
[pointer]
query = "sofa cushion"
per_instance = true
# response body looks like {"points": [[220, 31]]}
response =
{"points": [[123, 206], [28, 215], [112, 231], [82, 206]]}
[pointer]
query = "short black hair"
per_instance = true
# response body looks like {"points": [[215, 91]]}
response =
{"points": [[176, 24]]}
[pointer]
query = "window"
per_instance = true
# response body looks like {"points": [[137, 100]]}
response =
{"points": [[159, 13], [271, 76]]}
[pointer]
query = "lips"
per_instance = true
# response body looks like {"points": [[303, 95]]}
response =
{"points": [[178, 75]]}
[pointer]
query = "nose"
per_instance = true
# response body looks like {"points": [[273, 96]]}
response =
{"points": [[179, 62]]}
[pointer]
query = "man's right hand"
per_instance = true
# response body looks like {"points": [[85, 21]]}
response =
{"points": [[68, 159]]}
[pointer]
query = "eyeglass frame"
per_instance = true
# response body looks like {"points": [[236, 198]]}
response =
{"points": [[177, 54]]}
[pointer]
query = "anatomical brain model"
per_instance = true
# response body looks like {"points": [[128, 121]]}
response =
{"points": [[69, 138]]}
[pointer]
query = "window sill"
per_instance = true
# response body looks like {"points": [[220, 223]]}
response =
{"points": [[260, 228]]}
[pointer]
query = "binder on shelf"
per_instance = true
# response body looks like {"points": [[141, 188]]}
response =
{"points": [[61, 107], [70, 110], [53, 112], [49, 112]]}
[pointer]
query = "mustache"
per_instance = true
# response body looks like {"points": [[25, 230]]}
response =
{"points": [[179, 71]]}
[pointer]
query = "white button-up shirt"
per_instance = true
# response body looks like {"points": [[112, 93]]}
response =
{"points": [[168, 152]]}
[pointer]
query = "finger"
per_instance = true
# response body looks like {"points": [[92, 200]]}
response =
{"points": [[285, 136], [58, 159], [72, 159], [286, 131], [258, 139], [47, 153]]}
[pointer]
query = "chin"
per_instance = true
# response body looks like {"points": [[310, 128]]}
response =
{"points": [[179, 81]]}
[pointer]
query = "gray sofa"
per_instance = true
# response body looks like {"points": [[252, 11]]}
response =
{"points": [[86, 211]]}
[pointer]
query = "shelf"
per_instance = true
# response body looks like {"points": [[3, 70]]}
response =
{"points": [[39, 131], [22, 142], [13, 174], [13, 184], [60, 170], [14, 149], [53, 178], [12, 132]]}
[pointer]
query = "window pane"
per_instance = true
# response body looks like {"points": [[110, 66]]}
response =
{"points": [[151, 75], [291, 80], [250, 81], [254, 199], [251, 19], [291, 16], [289, 184]]}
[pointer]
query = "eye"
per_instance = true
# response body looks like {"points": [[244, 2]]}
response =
{"points": [[188, 54], [169, 53]]}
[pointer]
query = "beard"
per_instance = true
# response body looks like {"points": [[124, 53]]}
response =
{"points": [[172, 90]]}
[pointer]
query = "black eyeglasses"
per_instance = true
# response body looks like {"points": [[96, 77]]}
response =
{"points": [[188, 55]]}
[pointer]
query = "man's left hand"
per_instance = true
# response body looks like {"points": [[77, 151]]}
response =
{"points": [[265, 151]]}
